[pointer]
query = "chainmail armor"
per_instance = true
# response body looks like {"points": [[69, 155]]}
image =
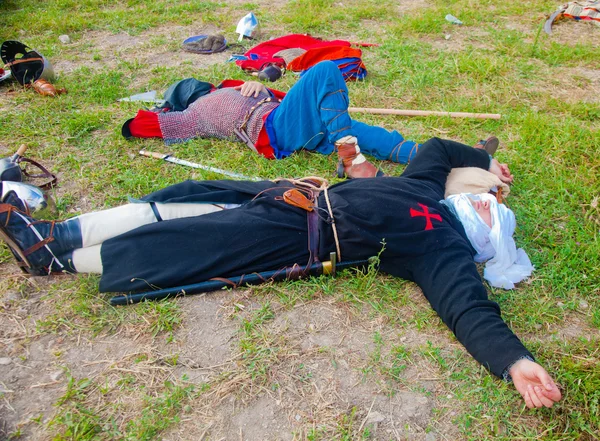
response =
{"points": [[216, 115]]}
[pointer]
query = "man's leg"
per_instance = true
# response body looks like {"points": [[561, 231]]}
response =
{"points": [[100, 226], [383, 144], [42, 247], [314, 116], [314, 113]]}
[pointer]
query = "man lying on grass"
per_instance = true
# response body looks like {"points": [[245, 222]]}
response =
{"points": [[313, 115], [198, 230]]}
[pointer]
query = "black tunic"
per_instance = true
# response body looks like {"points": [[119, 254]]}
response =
{"points": [[424, 242]]}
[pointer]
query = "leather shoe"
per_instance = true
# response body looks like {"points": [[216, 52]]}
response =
{"points": [[490, 145], [352, 163]]}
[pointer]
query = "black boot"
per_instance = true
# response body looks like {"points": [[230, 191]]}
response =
{"points": [[40, 247]]}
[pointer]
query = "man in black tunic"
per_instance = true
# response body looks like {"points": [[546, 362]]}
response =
{"points": [[425, 242]]}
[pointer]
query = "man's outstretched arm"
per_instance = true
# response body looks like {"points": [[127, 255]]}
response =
{"points": [[450, 281], [437, 157]]}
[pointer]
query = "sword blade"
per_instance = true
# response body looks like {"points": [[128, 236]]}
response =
{"points": [[220, 171]]}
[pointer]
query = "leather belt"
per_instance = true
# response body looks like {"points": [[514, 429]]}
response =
{"points": [[312, 220], [241, 132], [308, 200]]}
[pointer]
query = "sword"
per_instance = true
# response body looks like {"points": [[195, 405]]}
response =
{"points": [[175, 160], [288, 273]]}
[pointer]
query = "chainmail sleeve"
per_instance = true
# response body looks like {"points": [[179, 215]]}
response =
{"points": [[216, 115]]}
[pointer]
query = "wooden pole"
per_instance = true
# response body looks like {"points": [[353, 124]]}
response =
{"points": [[376, 111]]}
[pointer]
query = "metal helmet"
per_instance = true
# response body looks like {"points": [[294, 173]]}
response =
{"points": [[10, 170], [27, 68], [28, 198]]}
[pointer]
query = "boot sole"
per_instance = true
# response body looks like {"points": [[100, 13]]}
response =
{"points": [[491, 145]]}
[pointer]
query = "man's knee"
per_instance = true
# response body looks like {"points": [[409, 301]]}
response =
{"points": [[325, 68], [434, 142]]}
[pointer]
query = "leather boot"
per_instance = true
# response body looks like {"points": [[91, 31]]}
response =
{"points": [[352, 163], [490, 145], [40, 247]]}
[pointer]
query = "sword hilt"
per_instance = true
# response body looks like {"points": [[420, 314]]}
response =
{"points": [[155, 155]]}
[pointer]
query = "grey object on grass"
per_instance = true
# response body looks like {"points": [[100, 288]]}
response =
{"points": [[452, 19]]}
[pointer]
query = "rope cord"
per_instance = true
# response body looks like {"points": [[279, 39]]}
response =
{"points": [[309, 183]]}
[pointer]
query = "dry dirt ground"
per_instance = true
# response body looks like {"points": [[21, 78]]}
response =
{"points": [[324, 349]]}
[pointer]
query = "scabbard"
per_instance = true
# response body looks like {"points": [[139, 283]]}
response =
{"points": [[288, 273]]}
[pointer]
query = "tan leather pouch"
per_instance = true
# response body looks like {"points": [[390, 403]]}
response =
{"points": [[297, 199]]}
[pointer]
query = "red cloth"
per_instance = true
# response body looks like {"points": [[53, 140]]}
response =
{"points": [[263, 144], [261, 55], [315, 55], [145, 125]]}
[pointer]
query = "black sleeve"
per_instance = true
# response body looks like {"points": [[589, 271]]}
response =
{"points": [[438, 156], [452, 285]]}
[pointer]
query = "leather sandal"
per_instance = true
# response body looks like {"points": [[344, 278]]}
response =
{"points": [[352, 163]]}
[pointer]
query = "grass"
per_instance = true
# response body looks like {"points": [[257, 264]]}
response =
{"points": [[498, 61], [78, 417]]}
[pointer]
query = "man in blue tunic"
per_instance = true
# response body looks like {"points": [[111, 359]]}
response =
{"points": [[312, 116]]}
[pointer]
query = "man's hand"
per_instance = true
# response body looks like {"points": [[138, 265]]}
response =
{"points": [[501, 170], [534, 384], [251, 88]]}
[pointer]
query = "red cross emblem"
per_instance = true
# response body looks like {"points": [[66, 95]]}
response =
{"points": [[425, 213]]}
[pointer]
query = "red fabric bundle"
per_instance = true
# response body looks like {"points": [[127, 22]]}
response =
{"points": [[262, 54], [313, 56]]}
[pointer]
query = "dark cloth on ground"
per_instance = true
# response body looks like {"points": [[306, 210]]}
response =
{"points": [[424, 242], [181, 94]]}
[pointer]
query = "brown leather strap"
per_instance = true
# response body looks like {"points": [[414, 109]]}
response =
{"points": [[37, 246], [312, 219], [45, 173], [308, 200], [23, 60], [42, 243], [313, 236], [296, 198]]}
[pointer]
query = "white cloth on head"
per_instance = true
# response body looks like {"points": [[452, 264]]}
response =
{"points": [[506, 265]]}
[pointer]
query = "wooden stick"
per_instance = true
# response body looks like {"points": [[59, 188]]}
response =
{"points": [[21, 150], [376, 111]]}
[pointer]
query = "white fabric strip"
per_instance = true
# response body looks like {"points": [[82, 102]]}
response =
{"points": [[102, 225], [176, 211], [88, 260], [359, 159]]}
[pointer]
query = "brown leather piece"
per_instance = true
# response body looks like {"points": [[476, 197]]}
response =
{"points": [[297, 199], [348, 153], [44, 88]]}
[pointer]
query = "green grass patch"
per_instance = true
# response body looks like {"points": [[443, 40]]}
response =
{"points": [[79, 418], [497, 62]]}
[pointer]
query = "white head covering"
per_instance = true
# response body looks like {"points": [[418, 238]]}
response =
{"points": [[508, 265]]}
